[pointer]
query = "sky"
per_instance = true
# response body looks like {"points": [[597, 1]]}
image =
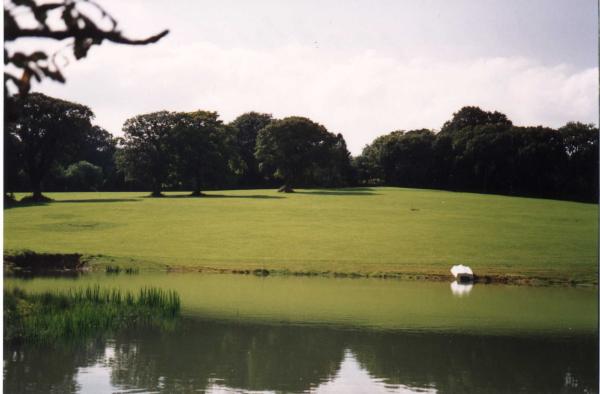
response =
{"points": [[360, 68]]}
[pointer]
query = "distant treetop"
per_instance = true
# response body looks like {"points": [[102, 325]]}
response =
{"points": [[474, 116]]}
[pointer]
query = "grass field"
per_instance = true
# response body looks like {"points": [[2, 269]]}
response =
{"points": [[364, 230]]}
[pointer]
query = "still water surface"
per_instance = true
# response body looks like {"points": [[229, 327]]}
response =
{"points": [[288, 334]]}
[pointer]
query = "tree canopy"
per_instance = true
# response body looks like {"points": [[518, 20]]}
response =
{"points": [[290, 148], [471, 116], [47, 130], [482, 151], [205, 149], [147, 153], [248, 125], [196, 151]]}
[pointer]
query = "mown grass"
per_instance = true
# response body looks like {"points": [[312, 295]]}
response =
{"points": [[369, 231], [81, 312]]}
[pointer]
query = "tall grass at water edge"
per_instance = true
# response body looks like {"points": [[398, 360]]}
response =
{"points": [[75, 313]]}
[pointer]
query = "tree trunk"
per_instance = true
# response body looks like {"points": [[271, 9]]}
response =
{"points": [[36, 188], [197, 192], [285, 189], [156, 190]]}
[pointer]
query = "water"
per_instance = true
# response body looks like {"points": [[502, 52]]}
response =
{"points": [[275, 334]]}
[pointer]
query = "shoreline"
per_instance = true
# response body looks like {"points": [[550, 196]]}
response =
{"points": [[486, 279], [32, 264]]}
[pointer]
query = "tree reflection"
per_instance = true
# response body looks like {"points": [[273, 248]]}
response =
{"points": [[200, 354], [470, 363]]}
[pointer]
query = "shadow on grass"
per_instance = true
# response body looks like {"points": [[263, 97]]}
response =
{"points": [[352, 191], [203, 196], [23, 204], [96, 200]]}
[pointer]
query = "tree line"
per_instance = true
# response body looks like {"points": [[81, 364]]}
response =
{"points": [[51, 145]]}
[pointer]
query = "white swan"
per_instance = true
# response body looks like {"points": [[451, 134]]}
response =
{"points": [[461, 269]]}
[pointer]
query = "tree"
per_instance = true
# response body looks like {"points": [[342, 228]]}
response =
{"points": [[368, 164], [83, 21], [581, 147], [99, 149], [471, 117], [485, 159], [47, 130], [248, 125], [288, 148], [400, 158], [540, 156], [83, 176], [204, 149], [12, 164], [336, 168], [147, 153], [407, 158]]}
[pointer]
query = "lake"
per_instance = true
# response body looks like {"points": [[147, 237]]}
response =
{"points": [[242, 333]]}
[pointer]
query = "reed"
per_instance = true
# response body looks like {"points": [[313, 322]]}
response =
{"points": [[76, 313], [115, 269]]}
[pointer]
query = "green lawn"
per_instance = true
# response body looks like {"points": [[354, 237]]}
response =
{"points": [[366, 231]]}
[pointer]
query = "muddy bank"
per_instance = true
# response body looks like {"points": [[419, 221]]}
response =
{"points": [[33, 263], [478, 279]]}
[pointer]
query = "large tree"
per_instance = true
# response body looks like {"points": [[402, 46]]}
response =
{"points": [[581, 147], [147, 149], [335, 169], [289, 148], [204, 149], [484, 159], [540, 157], [48, 130], [248, 125], [99, 149], [400, 158], [13, 164]]}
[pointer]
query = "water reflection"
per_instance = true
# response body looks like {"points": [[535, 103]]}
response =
{"points": [[459, 289], [240, 357], [354, 378]]}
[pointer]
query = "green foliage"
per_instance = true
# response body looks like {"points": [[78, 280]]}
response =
{"points": [[204, 149], [248, 125], [291, 148], [47, 130], [581, 145], [99, 149], [83, 176], [475, 151], [468, 117], [178, 149], [81, 312], [483, 152], [148, 148]]}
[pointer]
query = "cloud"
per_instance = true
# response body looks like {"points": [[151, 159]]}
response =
{"points": [[361, 94]]}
